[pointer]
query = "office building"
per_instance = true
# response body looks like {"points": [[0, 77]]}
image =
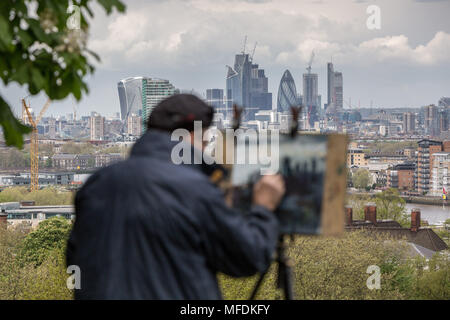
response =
{"points": [[215, 98], [409, 122], [335, 90], [338, 90], [330, 85], [287, 93], [130, 96], [431, 120], [310, 98], [247, 86], [153, 91]]}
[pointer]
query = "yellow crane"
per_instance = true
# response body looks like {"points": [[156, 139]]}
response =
{"points": [[34, 155]]}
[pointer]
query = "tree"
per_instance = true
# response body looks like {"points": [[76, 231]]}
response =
{"points": [[332, 268], [48, 162], [361, 178], [46, 196], [77, 148], [43, 46], [22, 280], [391, 206], [51, 234]]}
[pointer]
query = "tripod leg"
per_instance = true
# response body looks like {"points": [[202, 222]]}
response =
{"points": [[258, 284], [288, 292], [284, 272]]}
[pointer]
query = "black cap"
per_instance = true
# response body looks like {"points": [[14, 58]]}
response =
{"points": [[180, 111]]}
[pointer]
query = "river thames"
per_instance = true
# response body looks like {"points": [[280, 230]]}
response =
{"points": [[433, 214]]}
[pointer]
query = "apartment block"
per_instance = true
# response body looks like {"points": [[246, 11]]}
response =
{"points": [[356, 157], [424, 163], [401, 176], [440, 173]]}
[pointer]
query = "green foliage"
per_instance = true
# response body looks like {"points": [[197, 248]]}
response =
{"points": [[20, 280], [390, 147], [45, 196], [391, 206], [51, 234], [329, 268], [40, 51], [14, 159], [336, 268], [113, 149], [78, 148], [48, 162], [361, 178], [323, 268]]}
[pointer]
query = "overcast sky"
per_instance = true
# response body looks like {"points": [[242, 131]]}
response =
{"points": [[189, 42]]}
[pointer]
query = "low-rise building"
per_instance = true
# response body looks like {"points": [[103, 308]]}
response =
{"points": [[44, 178], [401, 176], [424, 241], [106, 159], [356, 157], [31, 216], [73, 161]]}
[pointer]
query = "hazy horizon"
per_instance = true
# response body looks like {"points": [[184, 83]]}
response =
{"points": [[406, 63]]}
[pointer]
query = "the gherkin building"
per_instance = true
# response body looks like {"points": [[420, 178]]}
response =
{"points": [[287, 93]]}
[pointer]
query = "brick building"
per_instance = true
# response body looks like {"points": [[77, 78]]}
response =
{"points": [[401, 176]]}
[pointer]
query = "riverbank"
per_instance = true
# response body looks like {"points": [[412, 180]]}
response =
{"points": [[436, 201]]}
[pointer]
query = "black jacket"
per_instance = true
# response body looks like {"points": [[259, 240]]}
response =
{"points": [[147, 228]]}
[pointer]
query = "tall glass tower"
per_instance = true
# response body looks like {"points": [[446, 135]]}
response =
{"points": [[287, 93], [153, 91], [130, 92], [247, 86]]}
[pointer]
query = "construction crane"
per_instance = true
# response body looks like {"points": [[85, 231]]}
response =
{"points": [[310, 62], [34, 155], [253, 53], [245, 45]]}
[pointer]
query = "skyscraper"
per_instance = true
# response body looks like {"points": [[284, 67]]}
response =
{"points": [[335, 88], [287, 93], [409, 122], [97, 127], [338, 90], [431, 120], [214, 97], [260, 97], [153, 91], [330, 84], [247, 86], [130, 92], [311, 97]]}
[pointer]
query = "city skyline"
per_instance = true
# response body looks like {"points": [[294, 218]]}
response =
{"points": [[404, 64]]}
